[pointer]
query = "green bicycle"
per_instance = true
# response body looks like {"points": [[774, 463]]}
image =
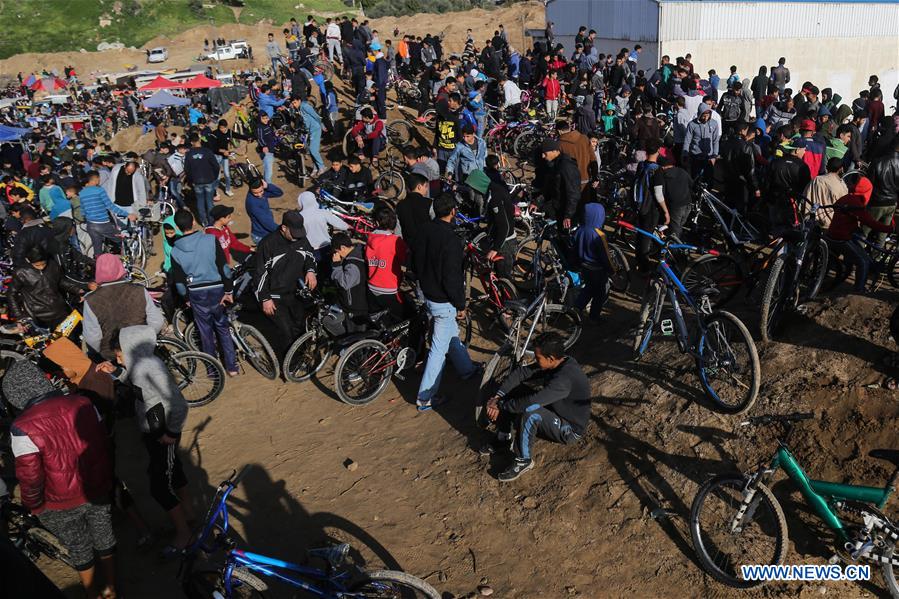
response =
{"points": [[736, 521]]}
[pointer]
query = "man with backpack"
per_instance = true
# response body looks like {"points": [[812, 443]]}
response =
{"points": [[731, 107]]}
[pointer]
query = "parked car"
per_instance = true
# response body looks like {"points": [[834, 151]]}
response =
{"points": [[157, 55]]}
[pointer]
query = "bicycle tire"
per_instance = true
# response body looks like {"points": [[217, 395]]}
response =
{"points": [[714, 335], [192, 336], [887, 567], [773, 300], [496, 371], [262, 359], [139, 275], [525, 145], [188, 367], [651, 302], [718, 276], [779, 523], [378, 581], [347, 367], [166, 346], [621, 277], [399, 132], [814, 269], [391, 184], [312, 353], [206, 584], [837, 271], [180, 319], [564, 320]]}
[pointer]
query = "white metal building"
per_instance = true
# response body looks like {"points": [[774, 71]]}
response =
{"points": [[832, 43]]}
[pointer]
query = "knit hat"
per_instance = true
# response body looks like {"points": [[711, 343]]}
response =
{"points": [[478, 181], [109, 268], [23, 382], [550, 145]]}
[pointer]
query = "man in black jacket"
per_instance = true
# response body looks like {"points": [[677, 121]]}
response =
{"points": [[282, 258], [500, 213], [787, 179], [734, 171], [201, 169], [36, 290], [438, 258], [219, 141], [415, 211], [551, 399], [560, 180], [884, 174]]}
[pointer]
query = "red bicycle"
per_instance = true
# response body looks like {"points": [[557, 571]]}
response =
{"points": [[494, 291]]}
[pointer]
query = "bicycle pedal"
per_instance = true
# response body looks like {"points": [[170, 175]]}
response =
{"points": [[667, 327]]}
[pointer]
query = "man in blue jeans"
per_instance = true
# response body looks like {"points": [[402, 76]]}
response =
{"points": [[201, 274], [268, 143], [438, 263], [201, 169]]}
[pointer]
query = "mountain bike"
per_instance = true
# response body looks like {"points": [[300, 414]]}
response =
{"points": [[528, 321], [243, 572], [199, 376], [249, 344], [720, 344], [737, 521], [494, 290], [29, 536], [796, 274], [884, 262]]}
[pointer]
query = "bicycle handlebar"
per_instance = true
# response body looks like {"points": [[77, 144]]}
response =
{"points": [[770, 418]]}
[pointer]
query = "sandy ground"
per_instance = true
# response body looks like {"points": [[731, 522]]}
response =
{"points": [[184, 48], [604, 518]]}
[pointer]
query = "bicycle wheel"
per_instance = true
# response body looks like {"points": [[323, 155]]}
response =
{"points": [[888, 575], [722, 543], [728, 363], [210, 583], [837, 271], [814, 269], [399, 132], [498, 368], [562, 320], [774, 300], [180, 320], [526, 144], [199, 376], [394, 158], [192, 336], [258, 351], [306, 357], [166, 346], [138, 275], [391, 584], [651, 306], [391, 185], [363, 372], [621, 278], [718, 277]]}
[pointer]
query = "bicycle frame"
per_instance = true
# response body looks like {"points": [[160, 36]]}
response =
{"points": [[536, 310], [823, 495]]}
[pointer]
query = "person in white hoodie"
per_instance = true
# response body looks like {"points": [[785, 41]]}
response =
{"points": [[318, 223]]}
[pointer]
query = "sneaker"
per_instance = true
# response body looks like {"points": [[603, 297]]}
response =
{"points": [[495, 446], [517, 468], [229, 193], [437, 400]]}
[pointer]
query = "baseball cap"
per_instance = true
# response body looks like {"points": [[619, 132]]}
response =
{"points": [[220, 211], [808, 125], [294, 222]]}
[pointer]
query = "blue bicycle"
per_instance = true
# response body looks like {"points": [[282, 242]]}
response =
{"points": [[726, 358], [237, 578]]}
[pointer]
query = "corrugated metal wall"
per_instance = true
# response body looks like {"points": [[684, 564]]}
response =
{"points": [[770, 20], [635, 20]]}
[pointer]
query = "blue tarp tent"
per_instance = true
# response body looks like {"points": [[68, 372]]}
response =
{"points": [[162, 99], [11, 133]]}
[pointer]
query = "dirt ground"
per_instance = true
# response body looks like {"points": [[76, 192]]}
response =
{"points": [[604, 518]]}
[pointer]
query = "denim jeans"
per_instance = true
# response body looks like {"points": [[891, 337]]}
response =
{"points": [[444, 341], [175, 186], [315, 144], [100, 231], [268, 165], [204, 192], [224, 172], [212, 323]]}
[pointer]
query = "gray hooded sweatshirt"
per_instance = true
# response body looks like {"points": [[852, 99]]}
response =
{"points": [[701, 139], [147, 372]]}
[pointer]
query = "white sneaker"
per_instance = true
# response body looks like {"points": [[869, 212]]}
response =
{"points": [[230, 194]]}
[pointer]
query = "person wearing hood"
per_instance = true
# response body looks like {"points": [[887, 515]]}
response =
{"points": [[826, 125], [701, 138], [499, 210], [64, 469], [850, 214], [622, 101], [318, 224], [747, 99], [201, 275], [788, 176], [593, 257], [349, 272], [160, 412], [826, 189], [114, 304], [585, 116], [759, 87]]}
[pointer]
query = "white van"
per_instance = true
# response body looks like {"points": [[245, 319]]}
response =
{"points": [[157, 55]]}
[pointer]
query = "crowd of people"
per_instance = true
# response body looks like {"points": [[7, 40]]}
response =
{"points": [[762, 145]]}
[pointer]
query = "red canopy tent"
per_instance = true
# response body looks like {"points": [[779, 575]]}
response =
{"points": [[201, 81], [48, 84], [159, 83]]}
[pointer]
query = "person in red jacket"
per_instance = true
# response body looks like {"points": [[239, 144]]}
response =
{"points": [[849, 214], [369, 135], [814, 147], [231, 245], [385, 252], [64, 468], [552, 91]]}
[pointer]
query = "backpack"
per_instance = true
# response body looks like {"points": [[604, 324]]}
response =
{"points": [[731, 107]]}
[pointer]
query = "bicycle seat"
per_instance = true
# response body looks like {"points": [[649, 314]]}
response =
{"points": [[517, 306], [335, 555], [888, 455]]}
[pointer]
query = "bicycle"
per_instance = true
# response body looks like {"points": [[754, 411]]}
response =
{"points": [[243, 572], [884, 262], [528, 320], [708, 342], [29, 536], [736, 520], [199, 376], [495, 291], [249, 344]]}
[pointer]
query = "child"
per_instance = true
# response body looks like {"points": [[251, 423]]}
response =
{"points": [[492, 170], [386, 252], [332, 110], [350, 273], [231, 246], [609, 120], [552, 92], [593, 255]]}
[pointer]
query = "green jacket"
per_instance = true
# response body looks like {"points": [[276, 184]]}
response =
{"points": [[835, 149], [167, 245]]}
